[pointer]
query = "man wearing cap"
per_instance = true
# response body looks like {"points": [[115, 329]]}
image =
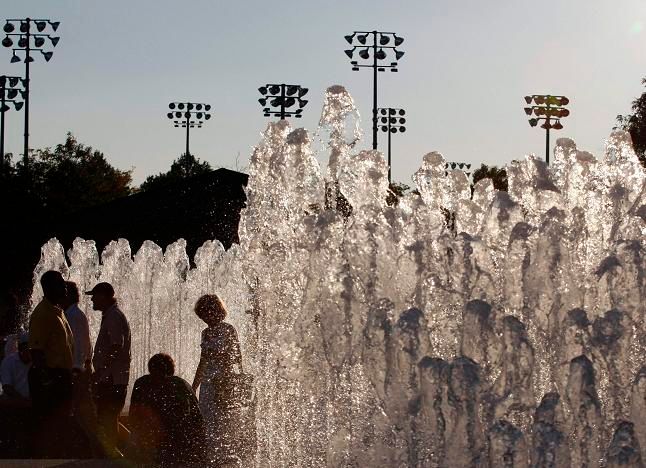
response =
{"points": [[111, 361]]}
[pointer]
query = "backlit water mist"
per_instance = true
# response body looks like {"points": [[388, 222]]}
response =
{"points": [[495, 329]]}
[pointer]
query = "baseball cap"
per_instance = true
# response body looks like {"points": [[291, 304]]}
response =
{"points": [[101, 288]]}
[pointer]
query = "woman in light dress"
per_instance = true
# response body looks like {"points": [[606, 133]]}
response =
{"points": [[215, 377]]}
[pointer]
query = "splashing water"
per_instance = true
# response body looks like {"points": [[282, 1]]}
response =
{"points": [[511, 336]]}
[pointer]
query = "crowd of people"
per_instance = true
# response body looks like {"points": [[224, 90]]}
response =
{"points": [[63, 397]]}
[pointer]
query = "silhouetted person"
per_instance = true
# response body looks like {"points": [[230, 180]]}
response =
{"points": [[14, 371], [50, 378], [79, 326], [111, 362], [83, 406], [165, 420], [216, 378], [15, 405]]}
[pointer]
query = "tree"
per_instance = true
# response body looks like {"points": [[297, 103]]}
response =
{"points": [[62, 180], [75, 176], [184, 167], [396, 190], [635, 124], [497, 176]]}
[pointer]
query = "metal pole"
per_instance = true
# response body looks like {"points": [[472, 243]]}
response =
{"points": [[374, 91], [389, 161], [282, 102], [187, 128], [2, 135], [26, 141], [547, 143], [2, 90]]}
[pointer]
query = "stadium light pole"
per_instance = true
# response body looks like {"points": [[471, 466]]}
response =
{"points": [[188, 115], [378, 49], [9, 90], [462, 166], [282, 96], [392, 121], [550, 109], [28, 42]]}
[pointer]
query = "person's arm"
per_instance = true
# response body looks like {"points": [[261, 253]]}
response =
{"points": [[85, 348], [199, 372], [237, 354]]}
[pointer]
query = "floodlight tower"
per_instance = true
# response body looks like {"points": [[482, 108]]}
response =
{"points": [[28, 42], [188, 115], [392, 121], [551, 110], [9, 89], [464, 167], [282, 96], [377, 47]]}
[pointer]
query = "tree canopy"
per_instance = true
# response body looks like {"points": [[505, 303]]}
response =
{"points": [[63, 179], [184, 167], [497, 176], [635, 124]]}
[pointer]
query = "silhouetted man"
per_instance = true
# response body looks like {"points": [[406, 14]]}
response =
{"points": [[111, 361], [50, 378], [79, 326]]}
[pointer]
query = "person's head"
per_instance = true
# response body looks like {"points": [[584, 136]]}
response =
{"points": [[102, 296], [210, 309], [161, 365], [72, 296], [53, 286], [23, 348]]}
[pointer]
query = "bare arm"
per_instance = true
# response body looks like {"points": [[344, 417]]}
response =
{"points": [[199, 372], [237, 357]]}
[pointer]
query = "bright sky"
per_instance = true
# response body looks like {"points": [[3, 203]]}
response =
{"points": [[467, 66]]}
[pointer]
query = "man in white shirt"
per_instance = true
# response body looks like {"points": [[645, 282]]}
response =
{"points": [[14, 371], [80, 328]]}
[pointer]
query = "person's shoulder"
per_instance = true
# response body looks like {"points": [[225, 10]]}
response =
{"points": [[229, 329], [76, 311], [142, 382], [40, 309], [120, 313], [179, 383], [143, 379], [177, 380], [42, 312]]}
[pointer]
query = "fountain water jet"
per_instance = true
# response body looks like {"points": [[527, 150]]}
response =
{"points": [[513, 335]]}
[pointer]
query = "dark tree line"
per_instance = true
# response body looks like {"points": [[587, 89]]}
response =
{"points": [[72, 176], [64, 179]]}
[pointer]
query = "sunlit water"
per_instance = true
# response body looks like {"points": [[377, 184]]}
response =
{"points": [[499, 329]]}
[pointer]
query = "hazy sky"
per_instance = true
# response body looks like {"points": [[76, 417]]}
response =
{"points": [[467, 66]]}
